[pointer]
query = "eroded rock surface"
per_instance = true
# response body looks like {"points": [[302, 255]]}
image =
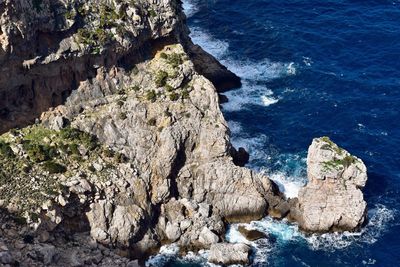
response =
{"points": [[229, 254], [332, 200]]}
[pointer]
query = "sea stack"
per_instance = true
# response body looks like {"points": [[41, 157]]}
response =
{"points": [[332, 200]]}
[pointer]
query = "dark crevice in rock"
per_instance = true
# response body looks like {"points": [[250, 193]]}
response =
{"points": [[178, 164]]}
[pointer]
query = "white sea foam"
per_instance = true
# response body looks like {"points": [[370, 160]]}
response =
{"points": [[249, 95], [235, 127], [290, 186], [268, 100], [215, 47], [283, 231], [167, 252], [307, 61], [262, 70], [253, 73], [234, 236], [291, 173], [190, 8]]}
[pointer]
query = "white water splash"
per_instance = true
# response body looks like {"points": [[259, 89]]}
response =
{"points": [[166, 253], [253, 73], [190, 8], [268, 100], [215, 47], [288, 185]]}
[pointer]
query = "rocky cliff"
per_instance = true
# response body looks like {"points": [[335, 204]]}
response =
{"points": [[120, 137], [48, 48]]}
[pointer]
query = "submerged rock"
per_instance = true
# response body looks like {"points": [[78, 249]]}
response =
{"points": [[229, 254], [332, 200], [252, 234]]}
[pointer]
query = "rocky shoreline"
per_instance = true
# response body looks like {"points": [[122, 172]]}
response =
{"points": [[129, 149]]}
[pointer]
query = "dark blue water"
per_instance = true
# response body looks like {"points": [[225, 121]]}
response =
{"points": [[309, 69]]}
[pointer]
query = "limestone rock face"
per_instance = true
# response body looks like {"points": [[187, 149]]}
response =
{"points": [[157, 166], [332, 200], [229, 254]]}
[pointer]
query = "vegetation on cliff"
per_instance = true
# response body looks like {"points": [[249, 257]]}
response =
{"points": [[35, 162]]}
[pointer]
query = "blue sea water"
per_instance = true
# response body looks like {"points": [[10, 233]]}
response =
{"points": [[310, 69]]}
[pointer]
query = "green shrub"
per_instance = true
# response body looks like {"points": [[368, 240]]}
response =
{"points": [[152, 122], [36, 153], [20, 220], [175, 60], [120, 158], [5, 150], [169, 88], [135, 70], [174, 96], [78, 137], [108, 153], [122, 116], [135, 88], [161, 78], [152, 13], [120, 103], [185, 94], [69, 15], [53, 167], [108, 16], [74, 149], [151, 96], [91, 168], [163, 55]]}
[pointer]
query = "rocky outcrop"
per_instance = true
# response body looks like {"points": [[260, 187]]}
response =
{"points": [[214, 71], [229, 254], [251, 234], [332, 200], [157, 166]]}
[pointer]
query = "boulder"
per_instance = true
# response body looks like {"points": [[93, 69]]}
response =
{"points": [[207, 237], [173, 231], [332, 200], [228, 254], [252, 234]]}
